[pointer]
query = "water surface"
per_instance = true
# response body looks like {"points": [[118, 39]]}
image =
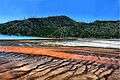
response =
{"points": [[7, 37], [105, 43]]}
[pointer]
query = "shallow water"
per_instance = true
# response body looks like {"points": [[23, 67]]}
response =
{"points": [[15, 37], [105, 43]]}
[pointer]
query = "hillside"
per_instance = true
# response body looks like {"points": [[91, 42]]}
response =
{"points": [[61, 26]]}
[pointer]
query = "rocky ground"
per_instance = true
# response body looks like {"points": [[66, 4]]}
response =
{"points": [[21, 60]]}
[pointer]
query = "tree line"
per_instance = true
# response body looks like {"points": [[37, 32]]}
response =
{"points": [[61, 27]]}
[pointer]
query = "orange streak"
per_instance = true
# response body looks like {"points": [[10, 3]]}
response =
{"points": [[54, 53]]}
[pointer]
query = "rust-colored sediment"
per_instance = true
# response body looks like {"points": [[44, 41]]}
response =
{"points": [[56, 52]]}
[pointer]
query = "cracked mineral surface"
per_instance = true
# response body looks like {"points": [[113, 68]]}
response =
{"points": [[31, 62]]}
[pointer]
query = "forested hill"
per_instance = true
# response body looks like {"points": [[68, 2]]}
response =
{"points": [[61, 26]]}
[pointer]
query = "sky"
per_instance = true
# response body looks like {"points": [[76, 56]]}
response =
{"points": [[80, 10]]}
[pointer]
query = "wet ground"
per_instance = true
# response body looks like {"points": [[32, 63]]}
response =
{"points": [[29, 60]]}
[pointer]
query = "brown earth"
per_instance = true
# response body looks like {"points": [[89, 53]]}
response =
{"points": [[59, 63]]}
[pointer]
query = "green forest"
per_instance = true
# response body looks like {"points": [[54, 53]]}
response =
{"points": [[61, 27]]}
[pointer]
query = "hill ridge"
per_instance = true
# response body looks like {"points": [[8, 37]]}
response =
{"points": [[61, 26]]}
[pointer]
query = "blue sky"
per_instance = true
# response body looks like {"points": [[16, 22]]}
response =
{"points": [[80, 10]]}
